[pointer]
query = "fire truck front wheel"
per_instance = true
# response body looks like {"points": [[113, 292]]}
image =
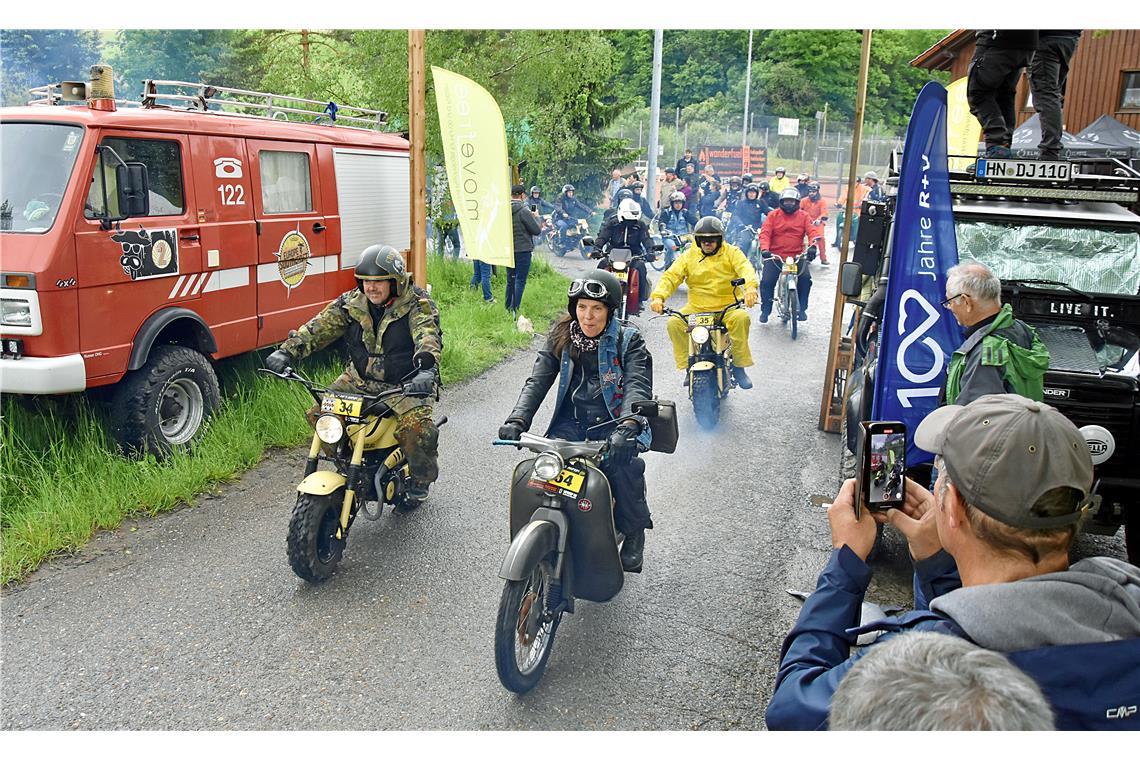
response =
{"points": [[164, 405]]}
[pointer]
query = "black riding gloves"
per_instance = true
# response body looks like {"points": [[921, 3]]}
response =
{"points": [[279, 361], [765, 254], [622, 445], [812, 252], [423, 384], [511, 430]]}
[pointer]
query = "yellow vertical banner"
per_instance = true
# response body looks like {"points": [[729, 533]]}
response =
{"points": [[475, 154], [963, 131]]}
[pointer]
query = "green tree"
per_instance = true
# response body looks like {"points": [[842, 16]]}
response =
{"points": [[33, 57], [185, 55]]}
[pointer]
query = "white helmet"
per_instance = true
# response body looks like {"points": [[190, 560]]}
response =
{"points": [[676, 196], [628, 210], [791, 194]]}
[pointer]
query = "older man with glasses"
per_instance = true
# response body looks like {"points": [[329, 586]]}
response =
{"points": [[1000, 354]]}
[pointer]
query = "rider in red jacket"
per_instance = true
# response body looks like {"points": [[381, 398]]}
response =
{"points": [[783, 236]]}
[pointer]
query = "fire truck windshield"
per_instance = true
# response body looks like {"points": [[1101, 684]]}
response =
{"points": [[1092, 259], [35, 166]]}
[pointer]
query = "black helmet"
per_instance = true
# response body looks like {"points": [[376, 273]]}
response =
{"points": [[752, 187], [596, 285], [639, 185], [765, 187], [621, 195], [382, 262], [708, 227], [813, 187], [746, 178], [536, 190], [734, 180], [567, 189]]}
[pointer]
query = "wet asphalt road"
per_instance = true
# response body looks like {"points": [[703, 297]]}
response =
{"points": [[193, 620]]}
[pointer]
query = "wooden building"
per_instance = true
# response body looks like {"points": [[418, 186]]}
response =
{"points": [[1104, 75]]}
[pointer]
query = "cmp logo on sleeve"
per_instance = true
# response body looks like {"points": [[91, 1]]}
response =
{"points": [[148, 253]]}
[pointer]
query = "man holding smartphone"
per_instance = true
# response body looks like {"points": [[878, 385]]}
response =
{"points": [[1015, 481]]}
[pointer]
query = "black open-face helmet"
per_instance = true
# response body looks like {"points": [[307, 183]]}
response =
{"points": [[621, 195], [596, 285], [382, 262], [708, 228], [734, 182], [764, 187], [639, 185], [752, 187], [746, 179]]}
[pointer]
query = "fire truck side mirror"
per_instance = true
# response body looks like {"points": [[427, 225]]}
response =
{"points": [[851, 280], [133, 188]]}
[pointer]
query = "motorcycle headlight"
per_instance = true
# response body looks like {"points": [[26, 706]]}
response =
{"points": [[547, 465], [619, 265], [700, 335], [330, 428]]}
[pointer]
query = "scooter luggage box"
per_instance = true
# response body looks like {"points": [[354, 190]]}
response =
{"points": [[664, 428]]}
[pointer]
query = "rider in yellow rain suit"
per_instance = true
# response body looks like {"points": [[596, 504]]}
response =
{"points": [[708, 267]]}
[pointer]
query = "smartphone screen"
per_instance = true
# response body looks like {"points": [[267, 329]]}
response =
{"points": [[882, 471]]}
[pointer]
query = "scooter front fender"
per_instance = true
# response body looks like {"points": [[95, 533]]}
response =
{"points": [[701, 366], [322, 483], [536, 539]]}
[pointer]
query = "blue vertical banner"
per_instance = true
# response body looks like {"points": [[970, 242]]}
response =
{"points": [[918, 335]]}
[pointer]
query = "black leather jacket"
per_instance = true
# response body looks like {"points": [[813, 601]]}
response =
{"points": [[636, 385]]}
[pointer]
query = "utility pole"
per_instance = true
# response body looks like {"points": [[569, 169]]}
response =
{"points": [[655, 116], [417, 103], [747, 91], [839, 358], [677, 138]]}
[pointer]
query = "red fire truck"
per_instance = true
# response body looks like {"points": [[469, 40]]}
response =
{"points": [[140, 244]]}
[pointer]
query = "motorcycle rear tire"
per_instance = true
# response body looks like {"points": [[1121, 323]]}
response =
{"points": [[518, 679], [312, 546], [706, 399]]}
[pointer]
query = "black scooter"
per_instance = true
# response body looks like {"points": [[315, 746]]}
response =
{"points": [[564, 545]]}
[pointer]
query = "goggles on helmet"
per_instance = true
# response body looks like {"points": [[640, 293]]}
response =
{"points": [[587, 288]]}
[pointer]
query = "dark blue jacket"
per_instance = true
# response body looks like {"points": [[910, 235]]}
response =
{"points": [[748, 212], [1086, 684], [574, 207]]}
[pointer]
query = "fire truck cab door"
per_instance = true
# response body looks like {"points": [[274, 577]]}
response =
{"points": [[143, 264], [291, 248]]}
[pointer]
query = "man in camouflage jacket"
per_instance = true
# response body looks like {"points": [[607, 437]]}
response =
{"points": [[391, 332]]}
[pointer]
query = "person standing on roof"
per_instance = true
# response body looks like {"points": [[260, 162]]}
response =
{"points": [[1048, 75], [999, 57]]}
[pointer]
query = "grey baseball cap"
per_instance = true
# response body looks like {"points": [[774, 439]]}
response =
{"points": [[1004, 451]]}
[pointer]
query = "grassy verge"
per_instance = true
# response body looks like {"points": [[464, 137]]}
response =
{"points": [[59, 481]]}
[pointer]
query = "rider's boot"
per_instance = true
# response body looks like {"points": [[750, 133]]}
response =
{"points": [[633, 551], [414, 495], [685, 382], [741, 378], [764, 312]]}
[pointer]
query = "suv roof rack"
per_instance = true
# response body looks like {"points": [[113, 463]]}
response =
{"points": [[1093, 179]]}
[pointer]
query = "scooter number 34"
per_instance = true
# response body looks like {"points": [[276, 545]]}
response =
{"points": [[567, 480]]}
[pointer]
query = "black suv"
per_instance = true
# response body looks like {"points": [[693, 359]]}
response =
{"points": [[1068, 255]]}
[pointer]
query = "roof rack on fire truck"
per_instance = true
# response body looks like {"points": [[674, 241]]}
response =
{"points": [[1084, 179], [196, 96], [64, 93]]}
